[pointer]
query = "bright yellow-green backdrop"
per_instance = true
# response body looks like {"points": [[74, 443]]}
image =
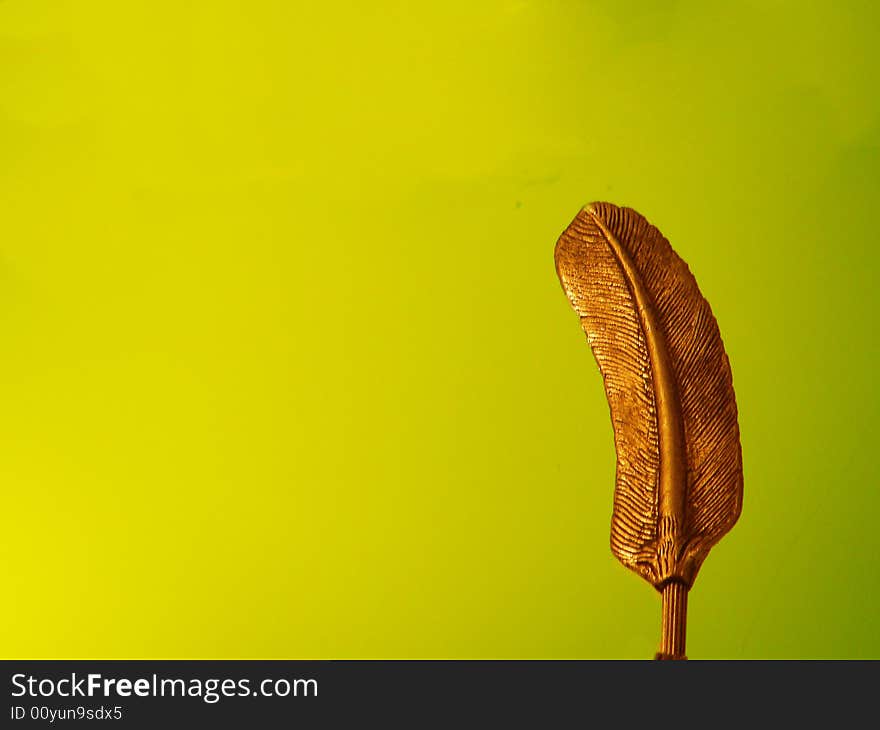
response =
{"points": [[285, 368]]}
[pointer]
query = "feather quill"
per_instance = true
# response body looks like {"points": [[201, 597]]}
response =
{"points": [[678, 486]]}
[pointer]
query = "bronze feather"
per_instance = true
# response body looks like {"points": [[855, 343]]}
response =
{"points": [[669, 387]]}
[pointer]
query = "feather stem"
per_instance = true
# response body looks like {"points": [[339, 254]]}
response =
{"points": [[672, 638]]}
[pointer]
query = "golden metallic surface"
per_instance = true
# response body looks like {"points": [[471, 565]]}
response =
{"points": [[678, 487]]}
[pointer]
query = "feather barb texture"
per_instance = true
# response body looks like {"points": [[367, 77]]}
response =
{"points": [[678, 485]]}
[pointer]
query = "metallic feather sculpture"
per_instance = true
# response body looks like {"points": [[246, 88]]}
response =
{"points": [[667, 379]]}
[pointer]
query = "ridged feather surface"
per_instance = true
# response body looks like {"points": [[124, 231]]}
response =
{"points": [[669, 387]]}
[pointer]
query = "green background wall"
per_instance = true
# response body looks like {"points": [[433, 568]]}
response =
{"points": [[285, 368]]}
